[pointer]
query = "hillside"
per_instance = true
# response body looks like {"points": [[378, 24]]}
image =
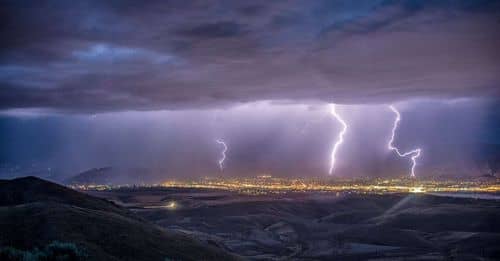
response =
{"points": [[34, 212]]}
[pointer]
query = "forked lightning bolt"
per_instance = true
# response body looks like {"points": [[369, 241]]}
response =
{"points": [[223, 153], [340, 138], [414, 153]]}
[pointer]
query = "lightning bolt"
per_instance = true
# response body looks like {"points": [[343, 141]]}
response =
{"points": [[414, 153], [223, 153], [340, 138]]}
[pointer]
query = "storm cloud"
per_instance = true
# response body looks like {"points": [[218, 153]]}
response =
{"points": [[89, 56]]}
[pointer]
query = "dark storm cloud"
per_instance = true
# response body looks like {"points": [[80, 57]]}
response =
{"points": [[213, 30], [251, 10], [122, 55]]}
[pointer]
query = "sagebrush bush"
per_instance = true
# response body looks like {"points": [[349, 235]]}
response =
{"points": [[55, 251]]}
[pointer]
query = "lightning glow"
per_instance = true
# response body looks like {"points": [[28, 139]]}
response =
{"points": [[340, 138], [414, 153], [223, 153]]}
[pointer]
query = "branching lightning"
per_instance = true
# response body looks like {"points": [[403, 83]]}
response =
{"points": [[414, 153], [223, 153], [340, 138]]}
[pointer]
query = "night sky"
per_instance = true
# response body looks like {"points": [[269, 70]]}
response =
{"points": [[153, 84]]}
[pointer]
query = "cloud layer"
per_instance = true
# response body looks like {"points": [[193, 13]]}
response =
{"points": [[128, 55]]}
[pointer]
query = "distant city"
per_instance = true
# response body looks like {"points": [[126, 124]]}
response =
{"points": [[267, 184]]}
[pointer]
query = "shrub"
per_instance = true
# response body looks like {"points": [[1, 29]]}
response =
{"points": [[55, 251], [11, 254], [61, 251]]}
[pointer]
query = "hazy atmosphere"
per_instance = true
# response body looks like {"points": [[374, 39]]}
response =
{"points": [[262, 137]]}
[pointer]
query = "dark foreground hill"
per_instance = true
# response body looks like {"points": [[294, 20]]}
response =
{"points": [[34, 213]]}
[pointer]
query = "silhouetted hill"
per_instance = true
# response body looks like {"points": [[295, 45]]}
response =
{"points": [[93, 176], [113, 176], [32, 189], [35, 212]]}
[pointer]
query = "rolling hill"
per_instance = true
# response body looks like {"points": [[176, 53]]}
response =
{"points": [[35, 212]]}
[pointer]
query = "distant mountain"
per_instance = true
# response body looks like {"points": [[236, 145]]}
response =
{"points": [[94, 176], [35, 212], [113, 176]]}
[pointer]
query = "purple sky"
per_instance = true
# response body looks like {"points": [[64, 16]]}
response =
{"points": [[152, 84]]}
